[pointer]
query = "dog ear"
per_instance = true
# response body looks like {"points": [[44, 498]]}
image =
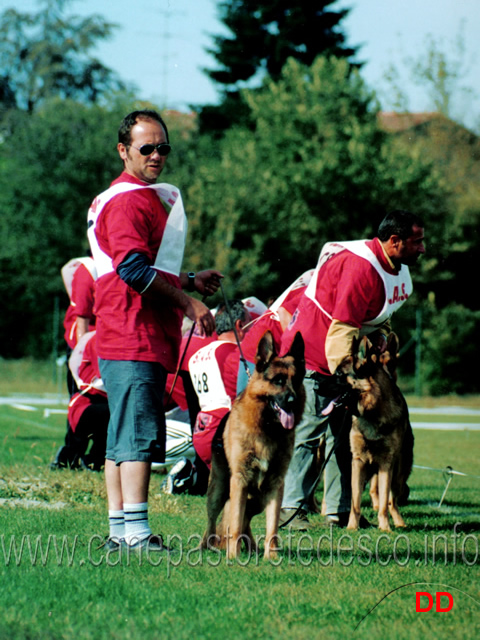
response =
{"points": [[393, 344], [389, 357], [265, 351], [297, 348], [297, 351]]}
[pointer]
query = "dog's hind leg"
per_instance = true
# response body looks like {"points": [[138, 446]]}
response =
{"points": [[272, 513], [384, 485], [374, 491], [248, 538], [217, 496], [234, 528], [359, 475], [397, 486], [254, 507], [398, 521]]}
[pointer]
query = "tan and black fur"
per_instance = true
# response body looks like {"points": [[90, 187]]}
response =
{"points": [[381, 437], [249, 466]]}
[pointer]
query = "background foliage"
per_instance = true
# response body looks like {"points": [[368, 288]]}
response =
{"points": [[46, 54]]}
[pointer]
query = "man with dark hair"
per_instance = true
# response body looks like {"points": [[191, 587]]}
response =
{"points": [[225, 321], [137, 233], [355, 289], [399, 223], [130, 120]]}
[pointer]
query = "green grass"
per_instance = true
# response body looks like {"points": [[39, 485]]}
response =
{"points": [[30, 376], [323, 587]]}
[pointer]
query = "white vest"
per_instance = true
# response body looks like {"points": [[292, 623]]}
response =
{"points": [[301, 281], [170, 253], [207, 380], [68, 271], [75, 361], [397, 288]]}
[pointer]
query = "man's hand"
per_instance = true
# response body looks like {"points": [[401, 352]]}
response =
{"points": [[201, 315], [207, 282]]}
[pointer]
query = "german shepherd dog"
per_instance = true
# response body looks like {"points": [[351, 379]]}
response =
{"points": [[381, 437], [251, 457]]}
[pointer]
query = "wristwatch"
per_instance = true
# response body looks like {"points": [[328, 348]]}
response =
{"points": [[191, 281]]}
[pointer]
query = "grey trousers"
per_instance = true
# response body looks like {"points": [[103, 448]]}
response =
{"points": [[302, 473]]}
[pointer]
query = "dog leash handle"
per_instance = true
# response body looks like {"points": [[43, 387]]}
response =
{"points": [[179, 367]]}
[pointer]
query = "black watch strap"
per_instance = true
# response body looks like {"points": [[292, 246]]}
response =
{"points": [[191, 281]]}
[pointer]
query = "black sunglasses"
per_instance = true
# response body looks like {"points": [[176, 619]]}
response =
{"points": [[147, 149]]}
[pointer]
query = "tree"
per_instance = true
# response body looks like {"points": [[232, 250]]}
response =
{"points": [[45, 54], [454, 152], [450, 348], [315, 168], [264, 35], [45, 191]]}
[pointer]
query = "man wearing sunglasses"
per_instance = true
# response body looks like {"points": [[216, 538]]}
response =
{"points": [[137, 232]]}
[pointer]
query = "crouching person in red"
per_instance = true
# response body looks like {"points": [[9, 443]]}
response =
{"points": [[88, 412]]}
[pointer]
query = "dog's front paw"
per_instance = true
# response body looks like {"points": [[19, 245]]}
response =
{"points": [[270, 554], [399, 523], [384, 525], [210, 541]]}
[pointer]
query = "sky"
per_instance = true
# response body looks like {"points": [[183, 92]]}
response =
{"points": [[160, 45]]}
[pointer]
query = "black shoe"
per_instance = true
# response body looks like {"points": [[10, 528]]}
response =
{"points": [[180, 478], [295, 519], [152, 543], [65, 458], [87, 464]]}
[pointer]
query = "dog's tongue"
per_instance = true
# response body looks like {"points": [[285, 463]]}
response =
{"points": [[330, 407], [287, 419]]}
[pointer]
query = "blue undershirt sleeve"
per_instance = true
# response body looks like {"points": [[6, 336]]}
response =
{"points": [[137, 272]]}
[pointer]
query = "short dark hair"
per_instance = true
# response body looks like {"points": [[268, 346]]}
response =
{"points": [[398, 223], [224, 320], [130, 120]]}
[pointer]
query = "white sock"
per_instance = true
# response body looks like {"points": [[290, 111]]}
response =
{"points": [[136, 522], [116, 521]]}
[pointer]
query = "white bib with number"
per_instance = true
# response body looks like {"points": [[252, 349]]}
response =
{"points": [[207, 379]]}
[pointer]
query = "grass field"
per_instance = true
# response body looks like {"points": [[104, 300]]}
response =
{"points": [[56, 584]]}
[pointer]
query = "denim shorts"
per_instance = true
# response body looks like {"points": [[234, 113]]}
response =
{"points": [[135, 390]]}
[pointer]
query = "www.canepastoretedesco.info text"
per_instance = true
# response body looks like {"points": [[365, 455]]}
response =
{"points": [[305, 549]]}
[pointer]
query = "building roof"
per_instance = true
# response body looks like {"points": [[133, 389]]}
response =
{"points": [[393, 122]]}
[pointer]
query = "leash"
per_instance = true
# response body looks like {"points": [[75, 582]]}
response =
{"points": [[179, 366], [227, 307]]}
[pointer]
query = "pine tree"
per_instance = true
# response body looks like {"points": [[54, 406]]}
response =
{"points": [[264, 34]]}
